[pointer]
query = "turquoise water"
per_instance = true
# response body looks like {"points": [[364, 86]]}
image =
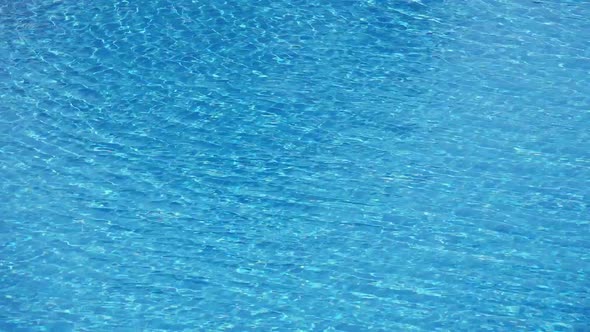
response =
{"points": [[294, 165]]}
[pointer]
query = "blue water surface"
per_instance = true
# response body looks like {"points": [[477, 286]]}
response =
{"points": [[294, 165]]}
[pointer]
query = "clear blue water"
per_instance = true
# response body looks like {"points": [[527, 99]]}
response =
{"points": [[294, 165]]}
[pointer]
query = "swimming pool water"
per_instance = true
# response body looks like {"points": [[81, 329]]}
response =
{"points": [[294, 165]]}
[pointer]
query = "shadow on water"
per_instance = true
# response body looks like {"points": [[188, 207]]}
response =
{"points": [[270, 87], [275, 91]]}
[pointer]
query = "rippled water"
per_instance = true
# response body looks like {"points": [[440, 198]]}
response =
{"points": [[294, 165]]}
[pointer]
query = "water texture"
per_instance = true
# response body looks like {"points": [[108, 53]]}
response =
{"points": [[294, 165]]}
